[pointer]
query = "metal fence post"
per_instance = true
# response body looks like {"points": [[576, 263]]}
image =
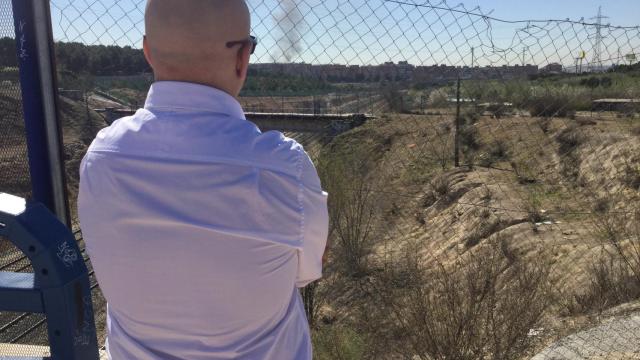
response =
{"points": [[34, 42], [457, 127]]}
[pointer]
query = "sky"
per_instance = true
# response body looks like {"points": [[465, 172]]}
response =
{"points": [[621, 12], [361, 32]]}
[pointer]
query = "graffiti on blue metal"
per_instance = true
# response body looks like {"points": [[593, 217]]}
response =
{"points": [[22, 51], [67, 254], [86, 333]]}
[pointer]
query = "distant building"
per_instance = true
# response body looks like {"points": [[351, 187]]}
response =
{"points": [[553, 68], [390, 71]]}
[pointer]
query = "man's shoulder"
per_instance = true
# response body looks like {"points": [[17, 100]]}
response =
{"points": [[279, 151], [230, 140], [109, 137]]}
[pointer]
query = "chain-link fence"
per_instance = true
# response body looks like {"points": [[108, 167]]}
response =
{"points": [[20, 333], [488, 206]]}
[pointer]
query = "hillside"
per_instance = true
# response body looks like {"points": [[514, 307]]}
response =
{"points": [[546, 214]]}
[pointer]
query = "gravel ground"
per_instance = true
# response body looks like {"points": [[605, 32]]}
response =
{"points": [[615, 339]]}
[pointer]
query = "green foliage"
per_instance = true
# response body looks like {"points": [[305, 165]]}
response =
{"points": [[594, 82], [555, 101], [330, 343], [547, 96], [100, 60]]}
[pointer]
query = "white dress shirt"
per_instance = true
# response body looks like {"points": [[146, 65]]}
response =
{"points": [[200, 228]]}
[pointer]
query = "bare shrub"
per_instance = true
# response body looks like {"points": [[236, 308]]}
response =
{"points": [[499, 150], [441, 186], [635, 130], [631, 176], [544, 124], [443, 145], [352, 208], [621, 231], [441, 191], [525, 170], [569, 139], [481, 232], [614, 278], [312, 302], [601, 205], [469, 137], [480, 307], [471, 116], [394, 97], [610, 283]]}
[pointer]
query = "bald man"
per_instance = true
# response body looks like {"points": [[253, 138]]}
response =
{"points": [[200, 227]]}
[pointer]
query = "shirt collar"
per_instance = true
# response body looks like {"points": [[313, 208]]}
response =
{"points": [[175, 95]]}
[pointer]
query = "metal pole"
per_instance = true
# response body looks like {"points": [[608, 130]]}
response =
{"points": [[581, 65], [34, 42], [457, 126], [473, 57]]}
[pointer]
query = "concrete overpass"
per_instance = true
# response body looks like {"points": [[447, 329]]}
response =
{"points": [[285, 122]]}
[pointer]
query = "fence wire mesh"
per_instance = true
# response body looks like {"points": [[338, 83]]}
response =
{"points": [[487, 207]]}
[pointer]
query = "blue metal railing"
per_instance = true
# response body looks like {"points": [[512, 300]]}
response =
{"points": [[59, 286]]}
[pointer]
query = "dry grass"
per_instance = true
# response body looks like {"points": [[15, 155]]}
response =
{"points": [[484, 226], [480, 306]]}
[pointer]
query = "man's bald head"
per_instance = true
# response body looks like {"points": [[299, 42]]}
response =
{"points": [[186, 41]]}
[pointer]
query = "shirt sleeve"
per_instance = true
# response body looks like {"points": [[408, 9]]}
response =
{"points": [[315, 224]]}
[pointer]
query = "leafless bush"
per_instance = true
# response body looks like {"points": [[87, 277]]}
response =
{"points": [[311, 302], [610, 283], [499, 150], [621, 231], [525, 170], [441, 186], [440, 190], [631, 176], [569, 140], [544, 124], [484, 230], [352, 209], [614, 277], [478, 307], [469, 137]]}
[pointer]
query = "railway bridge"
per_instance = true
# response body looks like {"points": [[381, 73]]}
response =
{"points": [[286, 122]]}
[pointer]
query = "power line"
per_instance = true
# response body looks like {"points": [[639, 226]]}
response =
{"points": [[487, 17]]}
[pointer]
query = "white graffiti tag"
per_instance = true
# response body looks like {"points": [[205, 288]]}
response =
{"points": [[22, 52], [67, 255], [85, 335]]}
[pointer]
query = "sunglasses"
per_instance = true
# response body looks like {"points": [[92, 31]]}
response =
{"points": [[251, 41]]}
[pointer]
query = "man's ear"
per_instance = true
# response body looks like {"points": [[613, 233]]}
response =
{"points": [[147, 52], [242, 61]]}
